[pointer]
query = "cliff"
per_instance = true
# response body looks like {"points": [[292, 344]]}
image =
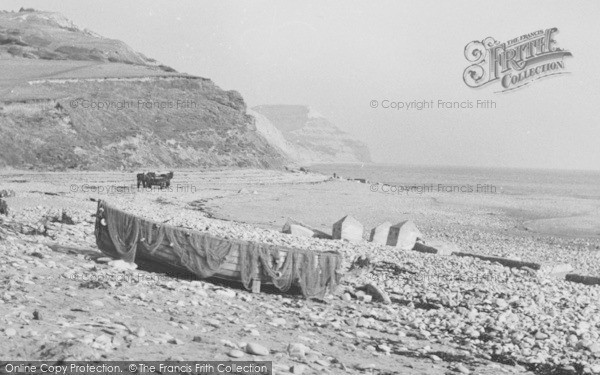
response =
{"points": [[70, 98], [306, 136]]}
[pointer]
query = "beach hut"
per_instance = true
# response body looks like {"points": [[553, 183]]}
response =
{"points": [[379, 234], [403, 235], [348, 228]]}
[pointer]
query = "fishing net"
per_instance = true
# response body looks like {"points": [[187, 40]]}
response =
{"points": [[314, 273]]}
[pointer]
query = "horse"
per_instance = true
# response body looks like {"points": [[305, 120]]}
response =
{"points": [[141, 180]]}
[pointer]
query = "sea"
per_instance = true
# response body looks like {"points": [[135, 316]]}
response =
{"points": [[559, 183]]}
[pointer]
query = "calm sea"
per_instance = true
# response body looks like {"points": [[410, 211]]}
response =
{"points": [[581, 184]]}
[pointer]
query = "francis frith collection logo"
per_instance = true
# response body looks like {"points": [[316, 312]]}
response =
{"points": [[514, 63]]}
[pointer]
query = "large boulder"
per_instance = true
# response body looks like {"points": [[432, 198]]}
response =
{"points": [[377, 293], [404, 235], [380, 233], [348, 228]]}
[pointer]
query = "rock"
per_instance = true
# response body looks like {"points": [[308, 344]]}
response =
{"points": [[229, 293], [298, 369], [501, 303], [279, 322], [10, 332], [197, 339], [462, 369], [348, 228], [380, 233], [404, 235], [363, 322], [176, 341], [346, 297], [140, 332], [97, 303], [594, 348], [377, 293], [37, 315], [122, 265], [234, 353], [256, 349], [297, 350]]}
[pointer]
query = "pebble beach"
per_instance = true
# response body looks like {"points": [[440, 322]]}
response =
{"points": [[431, 313]]}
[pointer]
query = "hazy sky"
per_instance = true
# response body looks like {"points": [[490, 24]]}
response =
{"points": [[337, 56]]}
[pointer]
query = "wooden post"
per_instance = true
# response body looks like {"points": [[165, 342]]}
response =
{"points": [[256, 279]]}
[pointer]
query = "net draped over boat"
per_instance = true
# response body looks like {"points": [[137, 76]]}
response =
{"points": [[314, 273]]}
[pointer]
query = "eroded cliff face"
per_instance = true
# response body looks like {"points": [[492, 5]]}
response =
{"points": [[306, 136], [106, 106]]}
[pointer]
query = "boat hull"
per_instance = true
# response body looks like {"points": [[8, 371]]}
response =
{"points": [[268, 267]]}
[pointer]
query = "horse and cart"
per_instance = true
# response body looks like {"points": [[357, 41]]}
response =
{"points": [[150, 179]]}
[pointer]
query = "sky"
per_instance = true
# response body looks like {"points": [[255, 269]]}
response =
{"points": [[339, 56]]}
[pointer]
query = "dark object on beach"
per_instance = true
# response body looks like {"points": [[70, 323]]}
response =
{"points": [[362, 261], [130, 238], [587, 280], [3, 207], [37, 315], [7, 193], [304, 169], [291, 223], [147, 180]]}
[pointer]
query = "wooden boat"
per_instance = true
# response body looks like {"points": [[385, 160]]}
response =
{"points": [[134, 239]]}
